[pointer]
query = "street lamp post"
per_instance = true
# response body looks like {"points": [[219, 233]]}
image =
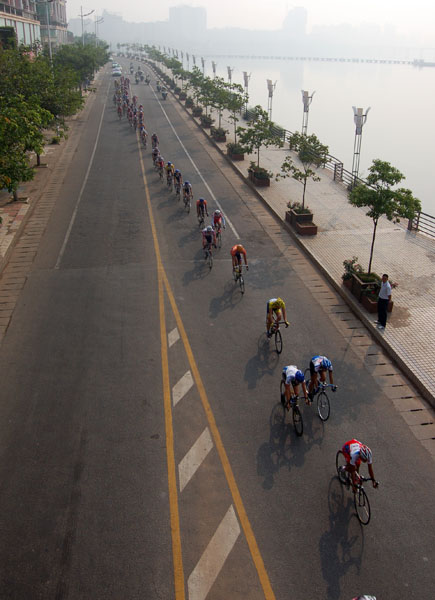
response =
{"points": [[82, 16], [98, 21], [246, 79], [203, 66], [271, 88], [213, 66], [230, 73], [359, 118], [306, 99]]}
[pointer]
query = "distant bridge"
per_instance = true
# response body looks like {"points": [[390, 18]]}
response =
{"points": [[384, 61]]}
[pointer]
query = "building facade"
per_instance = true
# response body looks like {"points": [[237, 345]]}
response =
{"points": [[57, 22], [22, 16]]}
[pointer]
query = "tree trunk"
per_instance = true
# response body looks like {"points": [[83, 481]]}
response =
{"points": [[258, 156], [38, 160], [303, 193], [375, 223]]}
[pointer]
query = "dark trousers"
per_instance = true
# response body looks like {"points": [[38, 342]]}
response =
{"points": [[382, 311]]}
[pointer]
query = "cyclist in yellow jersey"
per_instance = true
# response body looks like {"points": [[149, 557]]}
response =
{"points": [[170, 169], [277, 306]]}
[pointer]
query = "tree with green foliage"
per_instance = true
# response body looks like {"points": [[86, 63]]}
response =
{"points": [[383, 201], [311, 153], [258, 133]]}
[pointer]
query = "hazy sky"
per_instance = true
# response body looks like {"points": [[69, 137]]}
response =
{"points": [[417, 16]]}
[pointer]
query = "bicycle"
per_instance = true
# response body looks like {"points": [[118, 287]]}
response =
{"points": [[177, 189], [360, 498], [218, 230], [208, 256], [201, 217], [169, 181], [323, 404], [274, 331], [160, 170], [144, 139], [298, 422], [186, 199], [238, 277]]}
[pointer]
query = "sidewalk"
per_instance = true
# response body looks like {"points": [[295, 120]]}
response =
{"points": [[345, 231]]}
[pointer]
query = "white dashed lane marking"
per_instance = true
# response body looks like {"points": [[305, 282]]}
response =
{"points": [[182, 387], [211, 562], [173, 336], [194, 458]]}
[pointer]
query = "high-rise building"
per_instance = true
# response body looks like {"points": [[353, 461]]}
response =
{"points": [[56, 24], [22, 16], [188, 18]]}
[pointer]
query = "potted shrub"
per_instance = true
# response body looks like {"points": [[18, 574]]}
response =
{"points": [[183, 96], [298, 213], [197, 111], [189, 102], [351, 266], [235, 151], [219, 134], [369, 298], [259, 175], [177, 90], [206, 121]]}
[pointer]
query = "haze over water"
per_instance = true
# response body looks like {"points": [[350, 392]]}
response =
{"points": [[400, 127]]}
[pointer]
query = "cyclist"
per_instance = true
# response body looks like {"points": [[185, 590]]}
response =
{"points": [[154, 140], [277, 306], [236, 256], [355, 452], [187, 191], [292, 377], [155, 153], [178, 179], [169, 168], [201, 208], [320, 364], [208, 238], [160, 164], [218, 220]]}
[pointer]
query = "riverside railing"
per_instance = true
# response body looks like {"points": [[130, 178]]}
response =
{"points": [[424, 223]]}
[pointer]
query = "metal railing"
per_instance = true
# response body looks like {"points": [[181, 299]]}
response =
{"points": [[424, 223]]}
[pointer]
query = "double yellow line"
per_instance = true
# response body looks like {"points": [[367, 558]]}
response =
{"points": [[163, 284]]}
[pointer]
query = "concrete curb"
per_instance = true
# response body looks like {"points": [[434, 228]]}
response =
{"points": [[353, 305]]}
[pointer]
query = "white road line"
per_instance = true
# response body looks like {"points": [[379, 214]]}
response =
{"points": [[194, 458], [211, 562], [173, 336], [73, 218], [182, 387], [196, 168]]}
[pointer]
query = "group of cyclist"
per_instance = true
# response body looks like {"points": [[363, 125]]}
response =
{"points": [[354, 451]]}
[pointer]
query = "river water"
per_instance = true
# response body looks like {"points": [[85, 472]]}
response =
{"points": [[400, 126]]}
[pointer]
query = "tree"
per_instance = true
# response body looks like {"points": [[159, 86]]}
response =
{"points": [[381, 200], [237, 99], [311, 153], [258, 133]]}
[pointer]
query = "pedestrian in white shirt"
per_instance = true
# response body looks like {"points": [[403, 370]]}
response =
{"points": [[383, 300]]}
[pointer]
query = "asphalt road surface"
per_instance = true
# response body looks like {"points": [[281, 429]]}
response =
{"points": [[142, 449]]}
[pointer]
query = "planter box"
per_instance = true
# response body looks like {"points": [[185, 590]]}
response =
{"points": [[304, 228], [182, 96], [371, 306], [293, 217], [196, 111], [358, 286], [219, 138], [347, 283], [236, 156], [259, 181]]}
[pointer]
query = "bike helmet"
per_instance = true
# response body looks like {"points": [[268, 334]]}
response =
{"points": [[217, 213], [177, 171], [209, 228], [365, 453], [201, 200], [186, 183], [169, 163], [239, 248], [326, 364], [299, 377]]}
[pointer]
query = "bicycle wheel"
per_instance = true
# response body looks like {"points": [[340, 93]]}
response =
{"points": [[210, 260], [362, 506], [278, 341], [219, 239], [340, 463], [187, 205], [323, 407], [298, 423], [307, 376]]}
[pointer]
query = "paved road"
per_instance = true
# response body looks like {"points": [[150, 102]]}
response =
{"points": [[114, 487]]}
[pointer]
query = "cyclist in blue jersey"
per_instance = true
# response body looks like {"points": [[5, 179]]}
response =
{"points": [[318, 366]]}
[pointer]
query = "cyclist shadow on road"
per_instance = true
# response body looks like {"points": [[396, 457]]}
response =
{"points": [[264, 362], [188, 237], [341, 548], [200, 269], [265, 274], [285, 448], [228, 300]]}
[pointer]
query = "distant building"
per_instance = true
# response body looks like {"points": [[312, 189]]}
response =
{"points": [[295, 23], [57, 23], [188, 19], [22, 16]]}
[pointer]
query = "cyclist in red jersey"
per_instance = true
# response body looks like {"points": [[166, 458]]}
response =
{"points": [[355, 452]]}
